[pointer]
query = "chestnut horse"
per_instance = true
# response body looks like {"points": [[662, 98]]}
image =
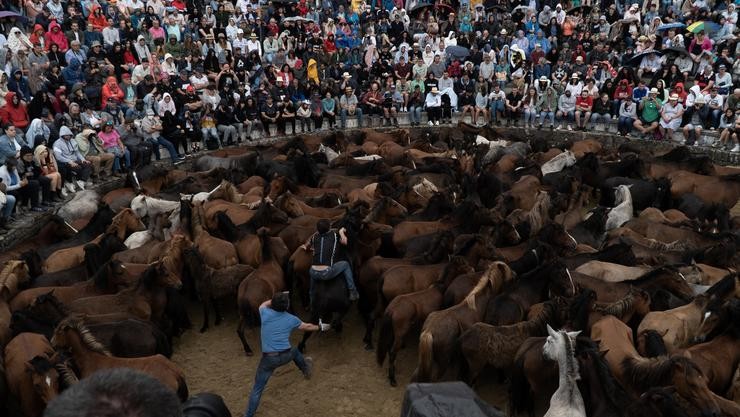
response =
{"points": [[32, 378], [89, 356], [438, 345]]}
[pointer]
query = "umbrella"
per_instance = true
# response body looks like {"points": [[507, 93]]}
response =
{"points": [[295, 19], [285, 1], [459, 52], [5, 14], [635, 60], [675, 51], [703, 25], [498, 7], [421, 7], [675, 25], [583, 9], [445, 399], [522, 7]]}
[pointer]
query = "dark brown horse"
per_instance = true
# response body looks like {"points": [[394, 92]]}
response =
{"points": [[408, 310], [438, 346]]}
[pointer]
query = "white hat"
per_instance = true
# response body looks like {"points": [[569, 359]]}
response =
{"points": [[673, 97], [240, 30], [503, 31], [434, 90], [347, 75], [653, 90]]}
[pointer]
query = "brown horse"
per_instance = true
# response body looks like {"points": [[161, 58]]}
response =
{"points": [[123, 224], [13, 275], [438, 341], [678, 326], [639, 374], [217, 253], [211, 284], [406, 310], [258, 287], [228, 192], [32, 378], [710, 189], [146, 301], [295, 207], [495, 346], [89, 356], [635, 303], [281, 184], [105, 281]]}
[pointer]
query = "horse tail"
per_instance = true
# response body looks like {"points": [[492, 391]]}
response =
{"points": [[385, 338], [519, 389], [426, 356], [182, 388]]}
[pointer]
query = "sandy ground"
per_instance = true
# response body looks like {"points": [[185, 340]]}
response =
{"points": [[346, 381]]}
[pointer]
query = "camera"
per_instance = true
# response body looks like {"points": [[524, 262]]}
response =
{"points": [[205, 404]]}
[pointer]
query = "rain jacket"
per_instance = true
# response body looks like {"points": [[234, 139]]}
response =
{"points": [[73, 73], [110, 89], [15, 115], [56, 37]]}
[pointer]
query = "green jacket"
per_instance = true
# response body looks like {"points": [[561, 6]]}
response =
{"points": [[548, 101]]}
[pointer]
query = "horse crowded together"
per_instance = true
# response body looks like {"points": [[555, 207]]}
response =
{"points": [[589, 280]]}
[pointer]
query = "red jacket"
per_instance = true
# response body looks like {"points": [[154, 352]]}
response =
{"points": [[15, 115]]}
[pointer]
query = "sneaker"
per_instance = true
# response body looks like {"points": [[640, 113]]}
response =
{"points": [[736, 148], [430, 123], [570, 127], [353, 295], [436, 123], [69, 187], [309, 367], [80, 184], [559, 127], [38, 209]]}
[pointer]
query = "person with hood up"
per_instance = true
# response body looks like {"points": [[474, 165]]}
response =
{"points": [[20, 184], [37, 129], [73, 74], [19, 84], [17, 40], [56, 36], [546, 106], [75, 169], [110, 90], [14, 112], [37, 37]]}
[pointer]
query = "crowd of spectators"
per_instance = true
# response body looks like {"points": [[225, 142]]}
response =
{"points": [[91, 88]]}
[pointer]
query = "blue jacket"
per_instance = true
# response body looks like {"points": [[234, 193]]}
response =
{"points": [[73, 74]]}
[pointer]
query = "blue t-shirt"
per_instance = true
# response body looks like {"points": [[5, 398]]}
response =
{"points": [[276, 329]]}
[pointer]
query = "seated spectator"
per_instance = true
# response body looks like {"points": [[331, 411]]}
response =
{"points": [[546, 106], [14, 112], [602, 111], [584, 105], [433, 104], [697, 118], [627, 115], [649, 111], [530, 104], [20, 185], [329, 109], [151, 126], [112, 144], [714, 102], [287, 115], [348, 106], [497, 103], [7, 205], [44, 158], [513, 106], [10, 144], [28, 168], [304, 115], [671, 115], [566, 109], [727, 129], [140, 149], [481, 106], [372, 102], [75, 169]]}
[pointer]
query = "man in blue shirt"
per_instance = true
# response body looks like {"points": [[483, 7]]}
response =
{"points": [[277, 325]]}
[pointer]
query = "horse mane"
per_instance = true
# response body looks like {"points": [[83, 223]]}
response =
{"points": [[649, 372], [438, 248], [469, 244], [227, 227], [580, 307], [620, 307], [723, 287], [482, 283], [264, 238], [377, 208], [68, 376], [9, 280], [571, 364], [87, 338], [678, 154], [615, 394], [654, 344]]}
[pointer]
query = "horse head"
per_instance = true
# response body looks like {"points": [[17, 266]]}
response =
{"points": [[560, 346], [44, 377], [691, 384]]}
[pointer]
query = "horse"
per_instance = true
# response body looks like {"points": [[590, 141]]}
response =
{"points": [[591, 230], [441, 330], [534, 287], [155, 231], [567, 400], [295, 207], [405, 311], [639, 374], [217, 253], [258, 287], [484, 344], [558, 163], [611, 272], [623, 211], [212, 284], [89, 355], [13, 276], [244, 163], [32, 378], [97, 225]]}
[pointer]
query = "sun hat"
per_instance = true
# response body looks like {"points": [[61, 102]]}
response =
{"points": [[346, 75], [673, 97], [653, 90]]}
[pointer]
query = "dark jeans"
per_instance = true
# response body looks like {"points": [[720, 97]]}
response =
{"points": [[267, 366], [161, 141], [29, 192], [81, 171], [341, 267], [45, 183], [434, 114]]}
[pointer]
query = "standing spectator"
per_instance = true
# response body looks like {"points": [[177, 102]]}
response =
{"points": [[584, 105], [433, 104]]}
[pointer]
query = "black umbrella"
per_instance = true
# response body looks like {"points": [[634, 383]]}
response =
{"points": [[635, 60], [421, 7], [675, 51], [445, 399], [583, 9]]}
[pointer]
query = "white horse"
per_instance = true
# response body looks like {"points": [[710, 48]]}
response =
{"points": [[623, 212], [330, 153], [567, 400], [559, 163], [372, 157], [144, 206], [480, 140], [84, 204]]}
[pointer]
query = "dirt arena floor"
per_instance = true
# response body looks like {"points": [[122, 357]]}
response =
{"points": [[346, 380]]}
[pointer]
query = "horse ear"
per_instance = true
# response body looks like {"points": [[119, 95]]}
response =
{"points": [[574, 335], [550, 331]]}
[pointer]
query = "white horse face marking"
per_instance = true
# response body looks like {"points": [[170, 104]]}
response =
{"points": [[47, 380]]}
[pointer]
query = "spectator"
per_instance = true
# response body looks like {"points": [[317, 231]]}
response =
{"points": [[546, 106], [75, 169], [28, 168], [584, 105], [10, 144], [698, 118], [433, 104], [566, 109], [670, 117], [727, 128], [112, 144], [151, 125], [45, 160], [649, 109], [602, 111], [714, 102], [14, 112], [627, 116], [530, 104], [497, 100], [514, 102], [91, 147], [20, 185], [304, 115], [348, 105]]}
